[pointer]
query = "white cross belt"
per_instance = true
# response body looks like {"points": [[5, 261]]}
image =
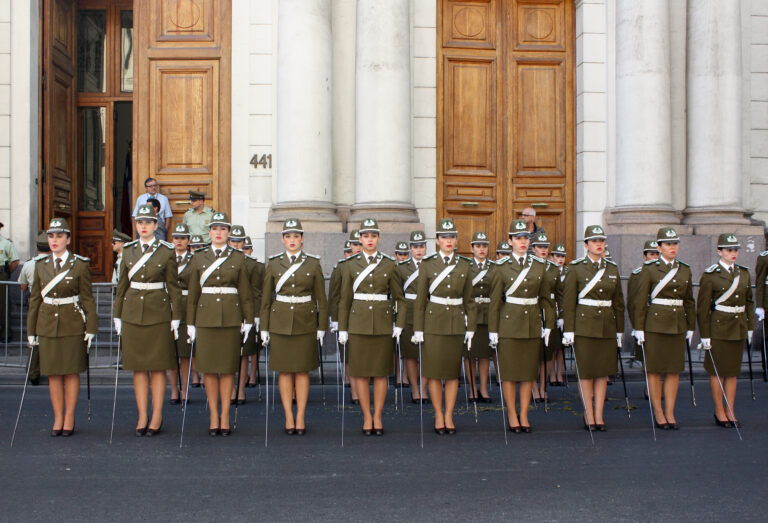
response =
{"points": [[522, 301], [481, 299], [732, 310], [363, 296], [293, 299], [61, 301], [665, 301], [219, 290], [147, 286], [410, 296], [446, 301], [595, 303]]}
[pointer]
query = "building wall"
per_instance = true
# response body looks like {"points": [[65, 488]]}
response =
{"points": [[756, 105]]}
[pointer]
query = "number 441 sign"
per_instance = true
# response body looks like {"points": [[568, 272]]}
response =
{"points": [[264, 161]]}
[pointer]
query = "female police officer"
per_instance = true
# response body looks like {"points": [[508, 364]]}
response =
{"points": [[725, 311], [147, 312], [181, 344], [369, 285], [520, 303], [62, 321], [294, 318], [664, 315], [444, 319], [482, 270], [593, 310], [219, 316]]}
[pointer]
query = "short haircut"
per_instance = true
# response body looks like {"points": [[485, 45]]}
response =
{"points": [[149, 180], [155, 203]]}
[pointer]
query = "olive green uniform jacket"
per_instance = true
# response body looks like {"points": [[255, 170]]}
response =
{"points": [[404, 271], [761, 279], [446, 320], [663, 319], [720, 325], [585, 320], [481, 290]]}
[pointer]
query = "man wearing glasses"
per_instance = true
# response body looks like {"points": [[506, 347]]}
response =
{"points": [[529, 215], [151, 185]]}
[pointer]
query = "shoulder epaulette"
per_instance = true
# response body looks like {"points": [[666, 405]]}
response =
{"points": [[612, 263], [429, 256], [130, 243], [711, 268], [683, 264], [78, 257], [764, 253], [534, 257], [648, 262], [465, 258], [39, 257], [205, 249], [387, 256], [404, 262], [315, 256], [275, 255], [169, 245], [576, 261], [637, 271], [741, 267]]}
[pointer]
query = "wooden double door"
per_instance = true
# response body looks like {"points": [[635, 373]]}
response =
{"points": [[506, 115], [120, 104]]}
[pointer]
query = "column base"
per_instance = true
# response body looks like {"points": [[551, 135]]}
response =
{"points": [[393, 217], [314, 216], [716, 220], [642, 220]]}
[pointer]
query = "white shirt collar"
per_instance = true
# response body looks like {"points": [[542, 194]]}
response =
{"points": [[64, 257], [478, 262], [443, 255], [664, 260], [142, 243], [725, 265], [288, 255], [517, 257], [599, 260]]}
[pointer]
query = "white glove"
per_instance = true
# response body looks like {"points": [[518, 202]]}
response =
{"points": [[257, 323], [760, 313], [334, 326], [560, 324], [396, 332], [619, 337], [545, 334], [32, 341], [264, 337], [749, 337], [118, 325], [418, 337], [175, 328], [493, 339], [88, 338], [343, 337], [568, 338], [640, 337], [689, 336], [245, 328], [705, 344], [468, 339], [191, 332], [320, 337]]}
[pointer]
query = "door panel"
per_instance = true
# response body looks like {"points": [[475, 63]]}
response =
{"points": [[58, 191], [182, 86], [505, 114]]}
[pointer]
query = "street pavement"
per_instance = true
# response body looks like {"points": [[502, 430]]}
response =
{"points": [[701, 472]]}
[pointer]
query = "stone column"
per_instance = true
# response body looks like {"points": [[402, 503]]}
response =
{"points": [[383, 112], [714, 177], [643, 119], [304, 139]]}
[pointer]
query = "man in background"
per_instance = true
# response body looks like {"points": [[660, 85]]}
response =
{"points": [[26, 278], [198, 216], [165, 214], [9, 260]]}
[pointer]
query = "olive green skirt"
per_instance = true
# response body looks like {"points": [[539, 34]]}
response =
{"points": [[441, 356], [728, 355], [148, 347], [664, 352], [217, 350], [62, 356], [371, 356], [409, 349], [555, 343], [252, 343], [519, 358], [181, 346], [595, 357], [480, 344], [638, 350], [293, 353]]}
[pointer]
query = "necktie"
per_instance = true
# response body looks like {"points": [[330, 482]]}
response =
{"points": [[370, 260], [480, 266], [218, 252], [145, 246], [521, 260], [58, 264], [446, 258], [178, 258], [597, 266], [293, 260], [730, 270], [669, 265]]}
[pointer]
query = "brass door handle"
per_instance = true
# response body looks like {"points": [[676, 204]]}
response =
{"points": [[539, 205], [182, 202], [470, 204]]}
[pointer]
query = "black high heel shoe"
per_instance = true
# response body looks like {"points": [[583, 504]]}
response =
{"points": [[141, 432], [213, 432], [379, 431], [367, 432], [56, 432], [68, 432], [174, 401], [226, 432], [154, 432], [440, 430], [516, 429], [290, 431], [483, 399], [526, 429], [662, 426], [301, 432]]}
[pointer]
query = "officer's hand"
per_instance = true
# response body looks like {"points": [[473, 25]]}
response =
{"points": [[418, 337], [468, 339], [493, 339], [396, 332], [334, 326], [561, 324], [749, 337], [689, 336], [264, 337], [705, 344], [118, 325], [545, 335], [640, 337], [760, 313], [257, 323], [568, 338], [191, 332], [343, 337], [619, 337], [320, 337], [175, 328], [32, 341], [88, 338], [245, 328]]}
